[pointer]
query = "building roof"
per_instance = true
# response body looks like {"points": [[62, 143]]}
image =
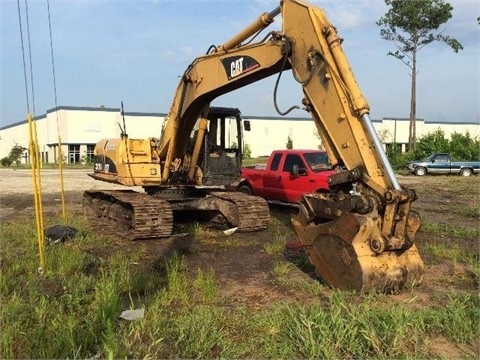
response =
{"points": [[246, 117]]}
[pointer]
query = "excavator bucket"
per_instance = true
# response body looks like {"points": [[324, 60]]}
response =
{"points": [[341, 252]]}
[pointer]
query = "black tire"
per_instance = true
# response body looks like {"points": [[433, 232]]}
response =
{"points": [[466, 172], [420, 171], [244, 188]]}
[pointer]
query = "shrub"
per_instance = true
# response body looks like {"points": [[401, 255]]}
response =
{"points": [[289, 144], [247, 152], [460, 147], [6, 161]]}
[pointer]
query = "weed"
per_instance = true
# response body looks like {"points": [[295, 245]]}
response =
{"points": [[277, 246], [470, 211], [199, 333], [205, 282], [452, 251], [177, 280], [282, 268], [458, 320], [72, 310], [193, 228]]}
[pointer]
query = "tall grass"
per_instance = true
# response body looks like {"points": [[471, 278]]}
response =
{"points": [[72, 311], [351, 329]]}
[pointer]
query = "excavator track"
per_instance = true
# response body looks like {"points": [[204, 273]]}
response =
{"points": [[139, 215], [252, 213]]}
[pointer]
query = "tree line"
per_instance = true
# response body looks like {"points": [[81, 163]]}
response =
{"points": [[459, 146]]}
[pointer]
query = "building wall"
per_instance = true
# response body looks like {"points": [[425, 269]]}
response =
{"points": [[270, 134], [84, 127], [78, 126], [267, 135], [396, 130]]}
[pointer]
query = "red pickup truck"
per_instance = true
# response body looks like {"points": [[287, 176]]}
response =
{"points": [[287, 175]]}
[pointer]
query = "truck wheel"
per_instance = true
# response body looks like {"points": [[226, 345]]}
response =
{"points": [[245, 189], [420, 171], [466, 172]]}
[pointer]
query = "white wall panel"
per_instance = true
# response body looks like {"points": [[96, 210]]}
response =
{"points": [[89, 125]]}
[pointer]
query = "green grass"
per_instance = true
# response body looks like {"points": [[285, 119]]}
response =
{"points": [[450, 230], [277, 246], [470, 211], [71, 311], [255, 161]]}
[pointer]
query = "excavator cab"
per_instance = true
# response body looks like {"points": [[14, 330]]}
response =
{"points": [[221, 155]]}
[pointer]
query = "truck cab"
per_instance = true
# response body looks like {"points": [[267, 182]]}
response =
{"points": [[288, 175]]}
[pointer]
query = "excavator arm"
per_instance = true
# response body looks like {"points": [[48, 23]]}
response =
{"points": [[310, 46], [361, 235]]}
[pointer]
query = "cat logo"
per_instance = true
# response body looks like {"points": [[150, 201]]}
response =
{"points": [[238, 65]]}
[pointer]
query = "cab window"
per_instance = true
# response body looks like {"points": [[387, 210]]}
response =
{"points": [[292, 160], [441, 158], [276, 161], [317, 161]]}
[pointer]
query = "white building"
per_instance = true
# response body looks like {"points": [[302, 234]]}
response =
{"points": [[79, 129], [270, 133]]}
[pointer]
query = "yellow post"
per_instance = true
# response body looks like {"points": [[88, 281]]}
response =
{"points": [[37, 189]]}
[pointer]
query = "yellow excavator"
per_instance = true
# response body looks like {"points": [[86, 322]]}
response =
{"points": [[360, 236]]}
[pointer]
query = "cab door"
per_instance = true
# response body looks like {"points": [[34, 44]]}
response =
{"points": [[440, 164], [293, 184]]}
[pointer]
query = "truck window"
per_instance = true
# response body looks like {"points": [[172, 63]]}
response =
{"points": [[291, 160], [441, 158], [276, 161], [317, 161]]}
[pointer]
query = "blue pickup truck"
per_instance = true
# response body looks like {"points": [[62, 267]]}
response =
{"points": [[440, 163]]}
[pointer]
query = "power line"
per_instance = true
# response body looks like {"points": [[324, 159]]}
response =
{"points": [[51, 55], [30, 56], [60, 157], [23, 56]]}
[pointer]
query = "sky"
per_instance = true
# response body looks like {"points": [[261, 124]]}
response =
{"points": [[134, 51]]}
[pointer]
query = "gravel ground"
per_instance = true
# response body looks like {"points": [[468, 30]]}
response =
{"points": [[14, 181], [16, 190]]}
